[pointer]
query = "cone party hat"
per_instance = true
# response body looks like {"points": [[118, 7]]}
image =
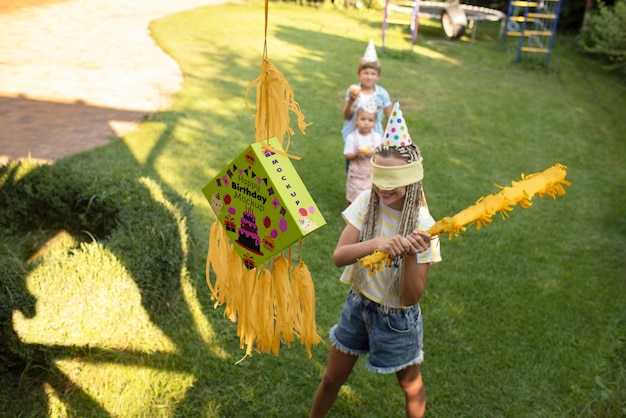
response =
{"points": [[370, 53]]}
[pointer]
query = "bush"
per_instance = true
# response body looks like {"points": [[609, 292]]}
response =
{"points": [[605, 37]]}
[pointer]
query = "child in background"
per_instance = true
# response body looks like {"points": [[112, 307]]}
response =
{"points": [[367, 90], [381, 315], [358, 149]]}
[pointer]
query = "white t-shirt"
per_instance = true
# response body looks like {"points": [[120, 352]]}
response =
{"points": [[355, 140], [386, 226]]}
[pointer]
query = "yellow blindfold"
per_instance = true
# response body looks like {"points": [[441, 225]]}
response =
{"points": [[391, 177]]}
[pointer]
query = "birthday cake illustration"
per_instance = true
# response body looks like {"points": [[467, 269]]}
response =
{"points": [[247, 235]]}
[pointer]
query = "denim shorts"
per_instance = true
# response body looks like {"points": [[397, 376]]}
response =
{"points": [[393, 339]]}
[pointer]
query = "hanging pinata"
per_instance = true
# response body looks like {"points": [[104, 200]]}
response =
{"points": [[548, 182], [262, 209]]}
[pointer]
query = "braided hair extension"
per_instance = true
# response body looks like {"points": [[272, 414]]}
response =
{"points": [[414, 198]]}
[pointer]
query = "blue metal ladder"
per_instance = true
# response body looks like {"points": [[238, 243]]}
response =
{"points": [[534, 22]]}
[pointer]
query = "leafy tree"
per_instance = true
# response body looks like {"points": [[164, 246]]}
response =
{"points": [[605, 36]]}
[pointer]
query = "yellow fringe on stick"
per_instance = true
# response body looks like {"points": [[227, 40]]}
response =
{"points": [[549, 182], [375, 261]]}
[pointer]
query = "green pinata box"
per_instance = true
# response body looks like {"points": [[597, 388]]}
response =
{"points": [[262, 203]]}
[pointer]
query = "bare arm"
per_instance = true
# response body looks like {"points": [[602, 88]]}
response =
{"points": [[414, 275], [348, 108], [388, 112], [359, 153], [351, 156], [349, 249], [387, 115]]}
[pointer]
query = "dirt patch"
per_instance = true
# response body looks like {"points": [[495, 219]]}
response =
{"points": [[69, 82]]}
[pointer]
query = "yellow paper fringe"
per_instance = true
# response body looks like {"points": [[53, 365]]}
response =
{"points": [[275, 98], [548, 182], [248, 319], [218, 256], [282, 299], [306, 326], [269, 306], [375, 261]]}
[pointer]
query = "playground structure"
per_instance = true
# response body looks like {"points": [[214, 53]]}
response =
{"points": [[455, 18], [535, 23]]}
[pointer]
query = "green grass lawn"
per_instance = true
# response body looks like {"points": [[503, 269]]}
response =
{"points": [[525, 318]]}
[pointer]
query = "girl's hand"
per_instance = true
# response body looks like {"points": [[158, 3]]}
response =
{"points": [[418, 242], [394, 246]]}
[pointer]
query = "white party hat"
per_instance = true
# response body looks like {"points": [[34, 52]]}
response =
{"points": [[370, 53], [396, 133]]}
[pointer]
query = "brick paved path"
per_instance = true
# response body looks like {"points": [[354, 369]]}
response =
{"points": [[73, 73]]}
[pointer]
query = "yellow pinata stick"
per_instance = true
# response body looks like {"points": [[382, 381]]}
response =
{"points": [[549, 182]]}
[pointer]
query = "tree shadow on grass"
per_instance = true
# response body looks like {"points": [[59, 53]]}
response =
{"points": [[132, 217], [68, 209], [139, 221]]}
